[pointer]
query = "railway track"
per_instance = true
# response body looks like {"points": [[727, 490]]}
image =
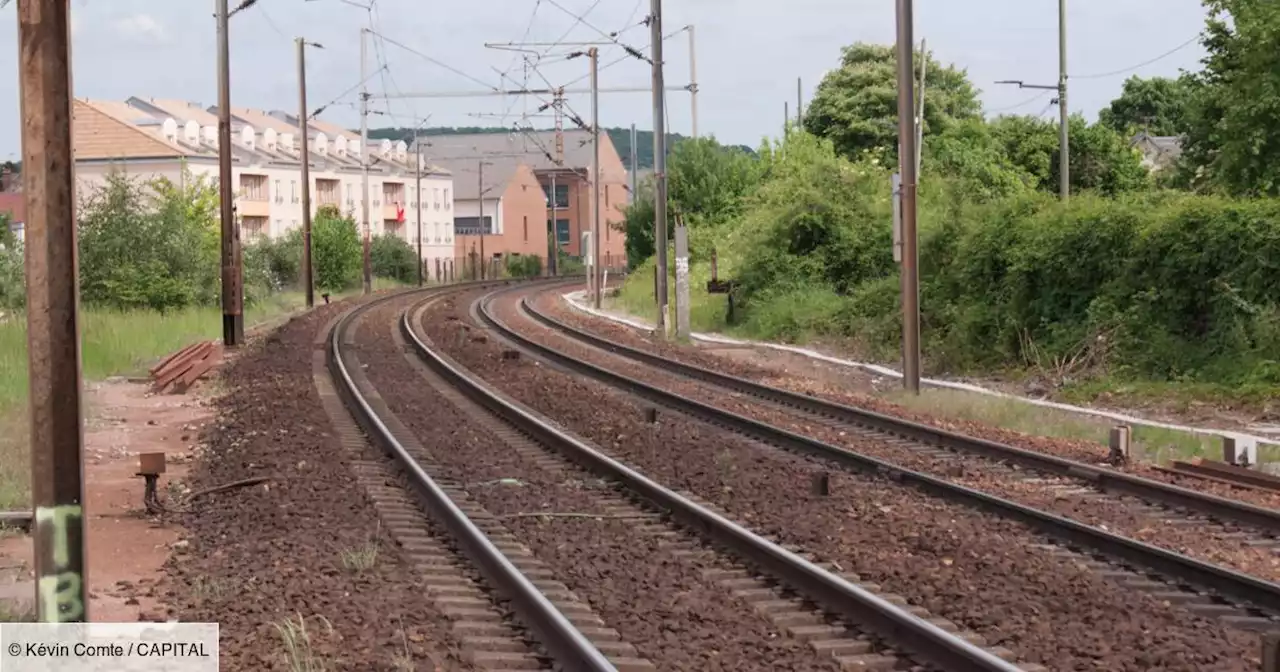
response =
{"points": [[1238, 598], [854, 625]]}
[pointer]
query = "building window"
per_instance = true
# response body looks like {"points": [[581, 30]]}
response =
{"points": [[328, 192], [562, 195], [253, 228], [279, 194], [293, 190], [447, 203], [470, 226], [562, 231], [253, 187], [526, 228]]}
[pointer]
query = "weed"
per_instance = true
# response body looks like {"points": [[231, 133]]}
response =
{"points": [[210, 590], [361, 558], [299, 652]]}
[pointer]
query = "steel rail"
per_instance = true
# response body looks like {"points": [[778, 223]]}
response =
{"points": [[1145, 488], [561, 639], [1236, 585], [924, 640]]}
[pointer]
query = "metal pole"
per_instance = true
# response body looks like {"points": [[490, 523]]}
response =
{"points": [[480, 201], [418, 191], [659, 163], [305, 154], [693, 82], [799, 103], [1064, 158], [364, 157], [554, 262], [906, 158], [635, 181], [595, 174], [232, 306], [924, 66], [53, 339]]}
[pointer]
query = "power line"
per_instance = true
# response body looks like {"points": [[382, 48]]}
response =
{"points": [[1122, 71], [577, 19]]}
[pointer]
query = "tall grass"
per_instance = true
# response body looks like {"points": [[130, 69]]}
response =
{"points": [[112, 343]]}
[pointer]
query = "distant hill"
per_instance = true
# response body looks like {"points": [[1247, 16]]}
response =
{"points": [[621, 138]]}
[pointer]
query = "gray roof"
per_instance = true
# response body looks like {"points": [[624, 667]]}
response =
{"points": [[498, 172], [537, 148]]}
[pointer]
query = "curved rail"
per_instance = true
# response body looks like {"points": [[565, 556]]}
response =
{"points": [[1172, 495], [560, 638], [922, 638], [1236, 585]]}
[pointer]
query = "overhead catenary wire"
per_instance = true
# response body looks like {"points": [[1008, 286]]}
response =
{"points": [[1143, 64], [612, 37], [1024, 103], [436, 61]]}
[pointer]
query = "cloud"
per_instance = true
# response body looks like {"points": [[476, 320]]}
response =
{"points": [[140, 28]]}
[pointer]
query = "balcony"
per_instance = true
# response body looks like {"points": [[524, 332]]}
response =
{"points": [[389, 212], [248, 208]]}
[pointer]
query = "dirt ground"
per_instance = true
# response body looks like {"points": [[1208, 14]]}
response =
{"points": [[126, 547]]}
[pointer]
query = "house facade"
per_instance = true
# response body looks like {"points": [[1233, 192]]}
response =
{"points": [[169, 138], [505, 191], [565, 182]]}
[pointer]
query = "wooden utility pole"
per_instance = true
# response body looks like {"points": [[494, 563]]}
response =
{"points": [[305, 155], [693, 81], [232, 291], [53, 338], [1064, 135]]}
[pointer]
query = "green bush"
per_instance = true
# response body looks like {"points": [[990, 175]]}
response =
{"points": [[524, 266], [336, 249], [391, 257], [280, 259], [149, 244]]}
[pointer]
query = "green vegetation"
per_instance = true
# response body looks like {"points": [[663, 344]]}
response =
{"points": [[1132, 289], [150, 278], [391, 257]]}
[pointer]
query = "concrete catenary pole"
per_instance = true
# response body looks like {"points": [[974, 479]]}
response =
{"points": [[659, 163], [53, 338], [910, 277], [305, 155], [693, 81], [364, 157], [1064, 135], [596, 232], [232, 295]]}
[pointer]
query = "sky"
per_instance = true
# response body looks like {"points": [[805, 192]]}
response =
{"points": [[749, 54]]}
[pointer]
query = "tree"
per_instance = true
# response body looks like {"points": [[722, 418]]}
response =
{"points": [[1101, 159], [1233, 128], [336, 248], [856, 105], [1157, 106], [707, 184]]}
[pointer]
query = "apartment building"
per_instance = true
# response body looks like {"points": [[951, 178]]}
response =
{"points": [[157, 137], [570, 176]]}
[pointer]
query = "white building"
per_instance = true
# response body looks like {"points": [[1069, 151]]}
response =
{"points": [[151, 137]]}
